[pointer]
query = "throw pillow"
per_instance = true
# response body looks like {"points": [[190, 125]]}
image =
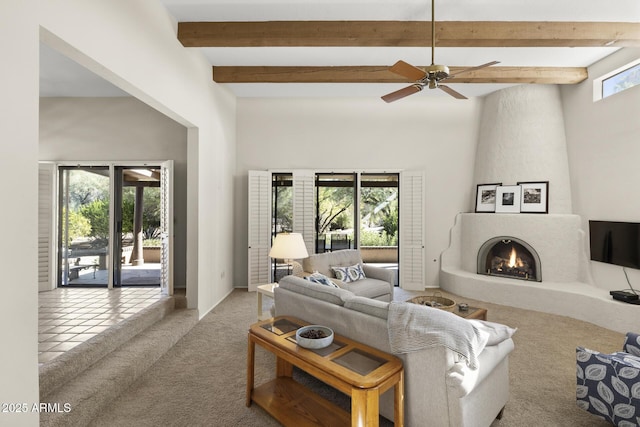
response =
{"points": [[349, 274], [497, 331], [321, 279]]}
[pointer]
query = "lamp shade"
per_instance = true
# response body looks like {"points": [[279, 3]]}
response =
{"points": [[288, 246]]}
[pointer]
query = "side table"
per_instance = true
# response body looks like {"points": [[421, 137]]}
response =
{"points": [[266, 290], [355, 369]]}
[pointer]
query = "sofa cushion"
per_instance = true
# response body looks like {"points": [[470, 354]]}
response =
{"points": [[368, 306], [321, 279], [370, 288], [322, 262], [348, 274], [322, 292]]}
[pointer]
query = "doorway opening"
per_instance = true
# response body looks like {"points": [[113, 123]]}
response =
{"points": [[379, 219], [110, 226], [282, 217]]}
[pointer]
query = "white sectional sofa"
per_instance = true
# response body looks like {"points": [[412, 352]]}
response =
{"points": [[441, 389]]}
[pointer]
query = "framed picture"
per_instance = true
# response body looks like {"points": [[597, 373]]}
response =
{"points": [[535, 197], [486, 197], [508, 199]]}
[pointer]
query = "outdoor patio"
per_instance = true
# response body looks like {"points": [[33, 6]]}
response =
{"points": [[147, 274]]}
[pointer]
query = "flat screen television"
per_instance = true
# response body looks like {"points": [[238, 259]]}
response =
{"points": [[615, 242]]}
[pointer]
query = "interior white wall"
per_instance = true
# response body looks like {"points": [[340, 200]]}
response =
{"points": [[18, 186], [603, 148], [102, 129], [135, 47], [431, 134]]}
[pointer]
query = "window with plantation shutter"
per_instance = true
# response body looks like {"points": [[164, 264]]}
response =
{"points": [[303, 207], [46, 226], [259, 232], [411, 239], [166, 226]]}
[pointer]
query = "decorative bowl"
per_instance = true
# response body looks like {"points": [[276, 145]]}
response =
{"points": [[314, 336], [436, 301]]}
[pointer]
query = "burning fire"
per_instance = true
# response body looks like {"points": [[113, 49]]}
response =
{"points": [[514, 261], [512, 258]]}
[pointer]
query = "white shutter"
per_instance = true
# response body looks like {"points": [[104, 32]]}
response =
{"points": [[46, 226], [259, 233], [412, 230], [303, 207], [166, 227]]}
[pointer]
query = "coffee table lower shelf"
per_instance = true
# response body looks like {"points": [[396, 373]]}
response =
{"points": [[291, 403]]}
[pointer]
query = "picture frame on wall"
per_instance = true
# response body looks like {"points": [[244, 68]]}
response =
{"points": [[508, 199], [535, 197], [486, 197]]}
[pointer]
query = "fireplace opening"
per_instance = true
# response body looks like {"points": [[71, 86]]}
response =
{"points": [[509, 257]]}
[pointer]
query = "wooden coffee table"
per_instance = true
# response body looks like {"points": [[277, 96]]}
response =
{"points": [[471, 313], [360, 371]]}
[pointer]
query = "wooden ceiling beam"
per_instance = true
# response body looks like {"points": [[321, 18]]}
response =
{"points": [[409, 33], [381, 74]]}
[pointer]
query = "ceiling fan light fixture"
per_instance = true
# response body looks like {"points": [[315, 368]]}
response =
{"points": [[437, 69]]}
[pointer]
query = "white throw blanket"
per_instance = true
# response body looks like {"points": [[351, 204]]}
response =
{"points": [[414, 327]]}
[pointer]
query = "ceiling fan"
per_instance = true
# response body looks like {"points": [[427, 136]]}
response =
{"points": [[431, 76]]}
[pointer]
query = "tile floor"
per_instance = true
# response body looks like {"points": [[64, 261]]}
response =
{"points": [[69, 316]]}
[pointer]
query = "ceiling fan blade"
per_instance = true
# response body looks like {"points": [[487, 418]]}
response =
{"points": [[409, 71], [466, 70], [399, 94], [452, 92]]}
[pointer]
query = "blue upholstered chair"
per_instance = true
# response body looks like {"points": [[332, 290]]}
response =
{"points": [[608, 385]]}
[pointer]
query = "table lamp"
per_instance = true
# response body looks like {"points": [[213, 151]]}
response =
{"points": [[288, 246]]}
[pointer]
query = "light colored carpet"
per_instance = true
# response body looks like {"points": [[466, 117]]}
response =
{"points": [[201, 381]]}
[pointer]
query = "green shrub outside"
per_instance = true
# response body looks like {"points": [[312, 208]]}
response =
{"points": [[375, 238]]}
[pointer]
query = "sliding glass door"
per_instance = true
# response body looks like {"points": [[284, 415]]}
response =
{"points": [[348, 210], [282, 216], [83, 226], [114, 226], [138, 233], [335, 211], [379, 219]]}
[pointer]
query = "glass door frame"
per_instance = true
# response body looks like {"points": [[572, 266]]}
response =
{"points": [[343, 180], [114, 233], [280, 182], [62, 264]]}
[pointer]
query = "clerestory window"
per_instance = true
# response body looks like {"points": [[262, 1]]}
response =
{"points": [[617, 81]]}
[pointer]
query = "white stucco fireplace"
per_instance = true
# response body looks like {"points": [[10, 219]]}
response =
{"points": [[522, 139], [557, 239], [566, 288]]}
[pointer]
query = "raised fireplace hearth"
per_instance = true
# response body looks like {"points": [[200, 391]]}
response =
{"points": [[509, 257], [567, 288]]}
